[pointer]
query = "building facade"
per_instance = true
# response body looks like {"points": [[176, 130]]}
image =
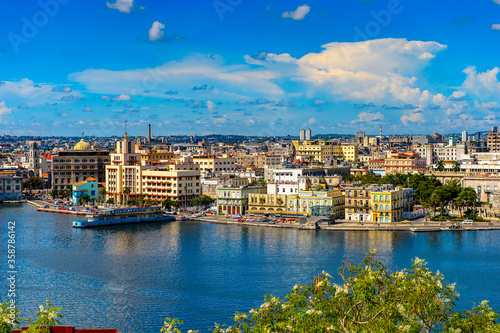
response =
{"points": [[234, 200], [11, 188], [82, 162], [387, 205], [89, 187], [303, 203]]}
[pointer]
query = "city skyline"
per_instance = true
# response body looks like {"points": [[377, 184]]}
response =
{"points": [[249, 68]]}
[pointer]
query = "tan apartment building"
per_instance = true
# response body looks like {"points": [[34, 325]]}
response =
{"points": [[404, 163], [322, 150], [212, 164]]}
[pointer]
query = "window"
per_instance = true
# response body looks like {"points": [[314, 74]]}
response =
{"points": [[386, 198], [479, 188], [375, 198], [495, 188], [386, 207]]}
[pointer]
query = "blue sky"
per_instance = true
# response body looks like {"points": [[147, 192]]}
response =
{"points": [[248, 67]]}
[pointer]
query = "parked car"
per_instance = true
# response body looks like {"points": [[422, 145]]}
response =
{"points": [[405, 221], [467, 222]]}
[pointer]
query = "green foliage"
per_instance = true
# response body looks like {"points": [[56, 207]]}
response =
{"points": [[45, 318], [202, 200], [170, 325], [54, 193], [33, 183], [440, 165], [169, 203], [9, 317], [370, 299], [110, 201], [84, 198]]}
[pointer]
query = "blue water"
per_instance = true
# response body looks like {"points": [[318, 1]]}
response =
{"points": [[131, 277]]}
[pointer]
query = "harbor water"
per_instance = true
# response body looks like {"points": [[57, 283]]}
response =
{"points": [[131, 277]]}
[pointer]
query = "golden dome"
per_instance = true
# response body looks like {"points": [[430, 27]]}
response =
{"points": [[82, 145]]}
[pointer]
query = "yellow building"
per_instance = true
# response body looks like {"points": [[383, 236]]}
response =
{"points": [[304, 202], [321, 150], [387, 206], [155, 156], [215, 164], [267, 203]]}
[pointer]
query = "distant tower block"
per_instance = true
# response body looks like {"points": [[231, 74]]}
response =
{"points": [[464, 136], [308, 134], [302, 135], [149, 133]]}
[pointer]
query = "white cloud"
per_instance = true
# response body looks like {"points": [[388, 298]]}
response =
{"points": [[4, 110], [232, 82], [368, 117], [297, 14], [413, 117], [156, 32], [484, 86], [311, 121], [495, 27], [122, 98], [123, 6], [210, 105]]}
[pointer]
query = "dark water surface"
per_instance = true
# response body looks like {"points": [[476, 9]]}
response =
{"points": [[131, 277]]}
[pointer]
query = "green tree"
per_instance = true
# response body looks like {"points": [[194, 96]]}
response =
{"points": [[33, 183], [279, 201], [84, 199], [469, 197], [45, 319], [126, 191], [202, 200], [102, 192], [440, 165], [110, 201], [54, 193], [456, 167]]}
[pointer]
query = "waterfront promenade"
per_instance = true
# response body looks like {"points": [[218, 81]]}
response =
{"points": [[417, 226]]}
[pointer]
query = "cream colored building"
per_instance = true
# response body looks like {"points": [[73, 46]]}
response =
{"points": [[306, 200], [211, 164], [180, 182], [322, 150]]}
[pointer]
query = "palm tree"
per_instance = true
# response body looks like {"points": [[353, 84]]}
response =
{"points": [[102, 191], [435, 200], [262, 201], [126, 191], [279, 201], [456, 167], [459, 203], [440, 165]]}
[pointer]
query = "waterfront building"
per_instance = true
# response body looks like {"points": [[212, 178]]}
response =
{"points": [[387, 205], [75, 165], [179, 182], [304, 202], [357, 200], [89, 186], [127, 179], [233, 200], [265, 203], [10, 187]]}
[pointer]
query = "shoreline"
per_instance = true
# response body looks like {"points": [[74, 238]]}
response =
{"points": [[350, 226]]}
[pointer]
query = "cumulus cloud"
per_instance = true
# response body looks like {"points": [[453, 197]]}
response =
{"points": [[122, 98], [22, 106], [413, 117], [156, 31], [297, 14], [123, 6], [484, 86], [495, 27], [368, 117], [4, 110]]}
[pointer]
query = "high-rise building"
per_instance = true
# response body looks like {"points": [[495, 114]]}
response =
{"points": [[464, 136], [360, 134], [302, 135], [493, 140], [308, 134]]}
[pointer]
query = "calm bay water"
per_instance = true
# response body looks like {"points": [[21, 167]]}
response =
{"points": [[131, 277]]}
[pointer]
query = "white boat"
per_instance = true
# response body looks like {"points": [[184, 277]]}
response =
{"points": [[124, 216]]}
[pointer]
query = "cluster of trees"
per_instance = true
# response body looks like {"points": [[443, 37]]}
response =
{"points": [[202, 200], [369, 299], [33, 183], [429, 191], [64, 193]]}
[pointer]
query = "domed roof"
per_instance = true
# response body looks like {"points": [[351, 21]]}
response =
{"points": [[82, 145]]}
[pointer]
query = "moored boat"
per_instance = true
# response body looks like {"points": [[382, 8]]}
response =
{"points": [[124, 216]]}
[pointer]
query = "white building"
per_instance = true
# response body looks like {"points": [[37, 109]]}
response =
{"points": [[10, 188]]}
